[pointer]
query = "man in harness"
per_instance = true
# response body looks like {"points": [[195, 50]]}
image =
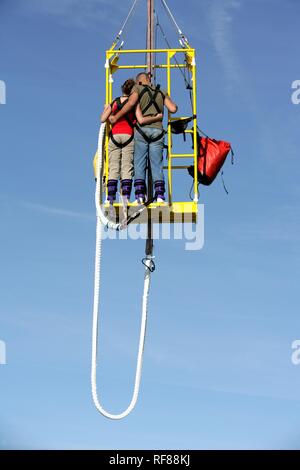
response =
{"points": [[149, 138]]}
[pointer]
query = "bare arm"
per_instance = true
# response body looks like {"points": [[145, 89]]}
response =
{"points": [[132, 101], [144, 120], [170, 105], [106, 113]]}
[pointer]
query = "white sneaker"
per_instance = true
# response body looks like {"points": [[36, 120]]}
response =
{"points": [[160, 200], [139, 201]]}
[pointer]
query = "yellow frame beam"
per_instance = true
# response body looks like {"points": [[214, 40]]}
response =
{"points": [[143, 66], [189, 51]]}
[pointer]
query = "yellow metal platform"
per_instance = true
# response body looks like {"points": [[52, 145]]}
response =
{"points": [[177, 212], [166, 59]]}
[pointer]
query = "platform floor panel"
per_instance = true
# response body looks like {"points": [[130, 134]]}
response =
{"points": [[177, 212]]}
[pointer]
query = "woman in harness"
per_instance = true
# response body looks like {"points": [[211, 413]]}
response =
{"points": [[149, 137], [121, 143]]}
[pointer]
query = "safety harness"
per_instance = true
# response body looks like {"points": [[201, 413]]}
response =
{"points": [[120, 105], [152, 102]]}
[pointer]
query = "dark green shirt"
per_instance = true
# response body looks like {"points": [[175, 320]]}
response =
{"points": [[152, 111]]}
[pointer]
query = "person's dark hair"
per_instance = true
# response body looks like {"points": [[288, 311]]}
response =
{"points": [[127, 86], [140, 75]]}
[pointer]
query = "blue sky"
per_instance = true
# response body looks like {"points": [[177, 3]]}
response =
{"points": [[217, 370]]}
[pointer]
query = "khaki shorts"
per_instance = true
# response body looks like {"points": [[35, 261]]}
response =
{"points": [[120, 160]]}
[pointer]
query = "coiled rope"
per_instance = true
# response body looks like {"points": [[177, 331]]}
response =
{"points": [[102, 222]]}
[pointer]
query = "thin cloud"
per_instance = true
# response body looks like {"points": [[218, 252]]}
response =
{"points": [[83, 14], [268, 233], [281, 225], [56, 211], [221, 17]]}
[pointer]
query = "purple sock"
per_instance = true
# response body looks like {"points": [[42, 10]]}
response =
{"points": [[140, 189], [112, 186], [159, 187], [126, 186]]}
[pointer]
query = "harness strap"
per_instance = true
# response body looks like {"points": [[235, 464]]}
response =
{"points": [[120, 105], [152, 96], [148, 139], [117, 144], [126, 117]]}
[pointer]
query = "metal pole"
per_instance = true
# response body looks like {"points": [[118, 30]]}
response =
{"points": [[150, 36], [150, 69]]}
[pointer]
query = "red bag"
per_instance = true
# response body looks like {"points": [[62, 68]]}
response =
{"points": [[211, 157]]}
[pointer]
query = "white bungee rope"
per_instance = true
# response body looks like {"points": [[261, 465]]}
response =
{"points": [[103, 221]]}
